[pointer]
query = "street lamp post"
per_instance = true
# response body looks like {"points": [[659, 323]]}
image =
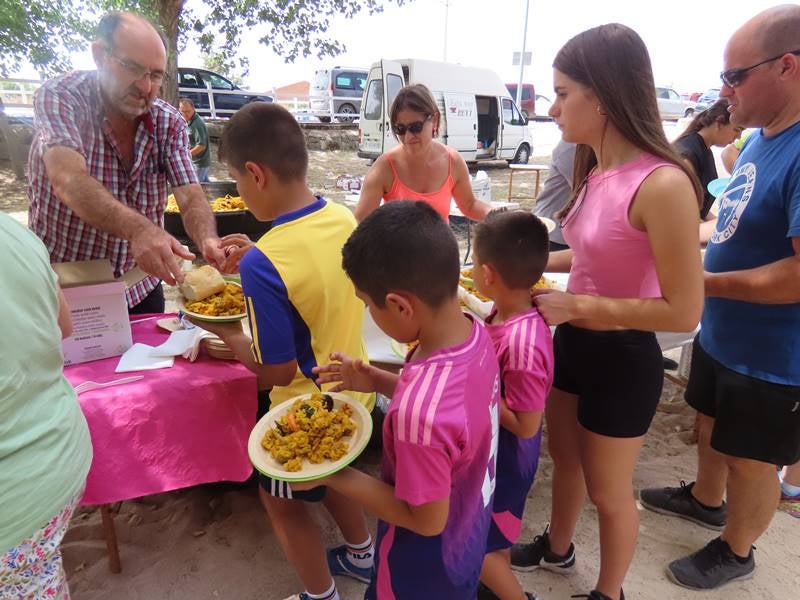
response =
{"points": [[522, 55]]}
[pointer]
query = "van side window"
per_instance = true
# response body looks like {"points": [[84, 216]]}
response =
{"points": [[373, 105], [526, 92], [508, 111], [360, 82], [344, 81], [393, 85], [511, 113]]}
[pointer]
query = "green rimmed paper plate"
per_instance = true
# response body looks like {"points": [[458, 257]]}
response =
{"points": [[207, 318], [264, 463]]}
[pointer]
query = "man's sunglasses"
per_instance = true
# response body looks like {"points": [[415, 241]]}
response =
{"points": [[734, 77], [400, 129]]}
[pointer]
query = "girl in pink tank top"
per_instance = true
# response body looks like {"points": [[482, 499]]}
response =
{"points": [[423, 161], [634, 264]]}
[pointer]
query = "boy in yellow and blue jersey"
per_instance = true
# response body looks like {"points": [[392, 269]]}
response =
{"points": [[301, 307]]}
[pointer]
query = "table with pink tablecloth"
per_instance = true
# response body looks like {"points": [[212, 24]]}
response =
{"points": [[175, 428]]}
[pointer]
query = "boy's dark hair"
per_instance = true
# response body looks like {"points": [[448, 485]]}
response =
{"points": [[403, 246], [266, 134], [516, 244]]}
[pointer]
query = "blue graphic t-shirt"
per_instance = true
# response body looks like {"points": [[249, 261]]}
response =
{"points": [[759, 215]]}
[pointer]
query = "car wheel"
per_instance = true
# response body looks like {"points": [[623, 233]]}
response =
{"points": [[689, 112], [348, 109], [523, 155]]}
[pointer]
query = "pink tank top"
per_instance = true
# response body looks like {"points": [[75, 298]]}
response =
{"points": [[439, 200], [612, 258]]}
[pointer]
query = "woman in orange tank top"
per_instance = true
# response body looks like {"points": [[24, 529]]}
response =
{"points": [[420, 168]]}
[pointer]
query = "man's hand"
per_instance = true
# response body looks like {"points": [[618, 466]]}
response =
{"points": [[347, 373], [214, 254], [158, 253], [235, 246]]}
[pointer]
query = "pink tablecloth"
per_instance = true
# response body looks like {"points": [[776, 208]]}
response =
{"points": [[175, 428]]}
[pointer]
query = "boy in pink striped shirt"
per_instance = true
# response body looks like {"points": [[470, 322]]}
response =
{"points": [[510, 254], [434, 499]]}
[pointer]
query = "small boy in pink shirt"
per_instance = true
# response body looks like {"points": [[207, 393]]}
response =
{"points": [[510, 254], [434, 498]]}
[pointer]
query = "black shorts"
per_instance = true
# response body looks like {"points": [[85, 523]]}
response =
{"points": [[617, 376], [753, 418]]}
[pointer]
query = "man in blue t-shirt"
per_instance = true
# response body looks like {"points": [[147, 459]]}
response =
{"points": [[745, 375]]}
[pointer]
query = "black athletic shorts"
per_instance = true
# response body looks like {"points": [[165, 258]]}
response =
{"points": [[753, 418], [617, 376]]}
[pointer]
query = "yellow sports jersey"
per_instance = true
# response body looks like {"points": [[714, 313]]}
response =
{"points": [[300, 303]]}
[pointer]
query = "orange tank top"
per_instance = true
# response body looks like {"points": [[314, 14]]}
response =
{"points": [[439, 200]]}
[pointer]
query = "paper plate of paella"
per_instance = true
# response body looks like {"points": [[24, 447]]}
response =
{"points": [[207, 296], [309, 437]]}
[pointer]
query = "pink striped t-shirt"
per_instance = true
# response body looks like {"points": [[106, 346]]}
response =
{"points": [[440, 441]]}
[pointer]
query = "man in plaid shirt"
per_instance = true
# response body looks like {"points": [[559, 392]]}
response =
{"points": [[103, 152]]}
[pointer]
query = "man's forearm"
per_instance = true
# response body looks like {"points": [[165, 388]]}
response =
{"points": [[198, 218], [93, 203], [775, 283]]}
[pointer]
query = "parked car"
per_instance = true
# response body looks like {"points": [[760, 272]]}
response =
{"points": [[224, 104], [527, 103], [707, 99], [671, 105], [337, 91]]}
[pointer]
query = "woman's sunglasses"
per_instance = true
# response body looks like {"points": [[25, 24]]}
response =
{"points": [[400, 129]]}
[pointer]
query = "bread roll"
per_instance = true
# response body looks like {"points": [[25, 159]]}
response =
{"points": [[202, 283]]}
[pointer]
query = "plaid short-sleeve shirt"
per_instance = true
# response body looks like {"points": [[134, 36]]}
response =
{"points": [[68, 111]]}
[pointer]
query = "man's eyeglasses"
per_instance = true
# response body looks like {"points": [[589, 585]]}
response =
{"points": [[734, 77], [137, 71], [400, 129]]}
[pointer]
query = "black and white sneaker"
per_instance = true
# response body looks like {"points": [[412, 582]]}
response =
{"points": [[711, 567], [680, 502], [537, 555]]}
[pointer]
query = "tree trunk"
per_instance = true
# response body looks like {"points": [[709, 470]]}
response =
{"points": [[169, 13]]}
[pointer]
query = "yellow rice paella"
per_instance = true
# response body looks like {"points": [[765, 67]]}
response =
{"points": [[313, 430]]}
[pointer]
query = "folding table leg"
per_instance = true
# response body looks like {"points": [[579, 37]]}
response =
{"points": [[110, 534]]}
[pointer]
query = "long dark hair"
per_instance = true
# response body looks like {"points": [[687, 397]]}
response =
{"points": [[716, 113], [613, 62]]}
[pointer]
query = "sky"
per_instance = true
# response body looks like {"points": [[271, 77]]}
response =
{"points": [[685, 39]]}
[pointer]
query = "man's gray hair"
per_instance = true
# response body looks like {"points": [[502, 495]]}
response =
{"points": [[108, 25]]}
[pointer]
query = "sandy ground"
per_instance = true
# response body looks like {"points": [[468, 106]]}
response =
{"points": [[212, 542], [215, 542]]}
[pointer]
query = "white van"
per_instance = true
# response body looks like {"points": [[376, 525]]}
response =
{"points": [[478, 116]]}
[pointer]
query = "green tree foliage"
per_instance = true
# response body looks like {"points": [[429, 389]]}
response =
{"points": [[44, 32], [217, 61], [41, 32]]}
